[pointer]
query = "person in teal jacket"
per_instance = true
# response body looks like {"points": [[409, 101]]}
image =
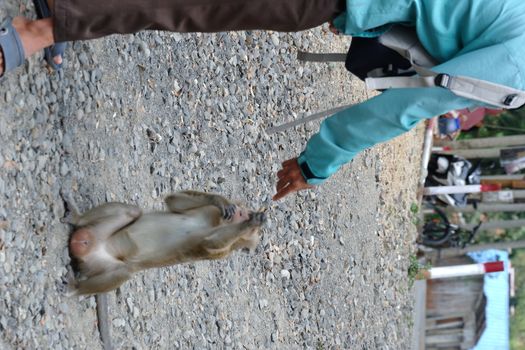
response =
{"points": [[483, 39]]}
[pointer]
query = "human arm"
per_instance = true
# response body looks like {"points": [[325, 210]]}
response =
{"points": [[345, 134], [396, 111], [342, 136]]}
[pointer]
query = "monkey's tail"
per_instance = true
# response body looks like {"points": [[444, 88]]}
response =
{"points": [[103, 321]]}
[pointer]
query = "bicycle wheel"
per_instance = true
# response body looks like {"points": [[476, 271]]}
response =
{"points": [[438, 231]]}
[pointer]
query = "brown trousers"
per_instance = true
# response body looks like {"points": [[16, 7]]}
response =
{"points": [[89, 19]]}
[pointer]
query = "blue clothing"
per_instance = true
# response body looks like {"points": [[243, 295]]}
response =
{"points": [[483, 39]]}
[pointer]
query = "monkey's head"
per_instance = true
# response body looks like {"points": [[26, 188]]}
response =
{"points": [[241, 214], [251, 238]]}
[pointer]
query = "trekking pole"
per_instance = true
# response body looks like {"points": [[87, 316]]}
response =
{"points": [[308, 118], [312, 57]]}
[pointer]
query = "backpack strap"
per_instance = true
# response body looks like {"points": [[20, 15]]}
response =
{"points": [[475, 89], [404, 40]]}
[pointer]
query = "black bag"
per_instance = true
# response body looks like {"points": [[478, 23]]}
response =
{"points": [[368, 55]]}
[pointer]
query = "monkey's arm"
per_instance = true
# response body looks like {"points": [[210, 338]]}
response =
{"points": [[104, 282], [222, 237], [186, 200]]}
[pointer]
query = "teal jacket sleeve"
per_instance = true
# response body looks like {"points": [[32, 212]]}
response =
{"points": [[378, 119]]}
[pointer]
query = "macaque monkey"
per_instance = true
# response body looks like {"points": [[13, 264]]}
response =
{"points": [[114, 240]]}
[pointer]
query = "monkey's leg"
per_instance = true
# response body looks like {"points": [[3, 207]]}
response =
{"points": [[247, 241], [222, 237], [115, 215], [98, 224], [111, 279], [186, 200]]}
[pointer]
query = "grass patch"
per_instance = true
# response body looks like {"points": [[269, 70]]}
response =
{"points": [[415, 270], [414, 210]]}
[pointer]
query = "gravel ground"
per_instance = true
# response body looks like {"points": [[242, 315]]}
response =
{"points": [[133, 118]]}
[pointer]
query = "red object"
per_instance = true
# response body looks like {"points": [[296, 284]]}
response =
{"points": [[495, 266], [490, 187], [470, 119]]}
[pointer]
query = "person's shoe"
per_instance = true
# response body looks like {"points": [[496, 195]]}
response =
{"points": [[11, 46], [43, 11]]}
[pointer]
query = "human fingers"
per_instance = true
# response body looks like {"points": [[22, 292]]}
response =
{"points": [[282, 173], [332, 28], [284, 191], [282, 183], [291, 183], [289, 187], [290, 168], [289, 162], [288, 176]]}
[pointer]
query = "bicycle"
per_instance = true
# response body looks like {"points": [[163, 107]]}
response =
{"points": [[439, 232]]}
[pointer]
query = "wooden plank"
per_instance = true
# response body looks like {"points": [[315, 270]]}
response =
{"points": [[518, 184], [489, 208], [502, 177], [502, 141], [447, 325], [453, 339], [473, 153], [418, 332], [453, 252]]}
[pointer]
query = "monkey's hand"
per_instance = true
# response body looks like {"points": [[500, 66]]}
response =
{"points": [[72, 214], [257, 218], [228, 211], [68, 285]]}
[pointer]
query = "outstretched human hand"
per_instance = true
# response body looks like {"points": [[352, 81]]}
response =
{"points": [[290, 179], [332, 28]]}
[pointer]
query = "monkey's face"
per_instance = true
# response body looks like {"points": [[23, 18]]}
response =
{"points": [[241, 214]]}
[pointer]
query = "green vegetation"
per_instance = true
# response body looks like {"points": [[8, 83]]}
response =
{"points": [[514, 234], [507, 124], [415, 269], [414, 210]]}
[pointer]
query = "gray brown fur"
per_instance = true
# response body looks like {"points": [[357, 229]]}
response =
{"points": [[114, 240]]}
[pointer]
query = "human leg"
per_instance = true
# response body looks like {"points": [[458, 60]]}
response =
{"points": [[35, 35], [81, 20], [52, 54]]}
